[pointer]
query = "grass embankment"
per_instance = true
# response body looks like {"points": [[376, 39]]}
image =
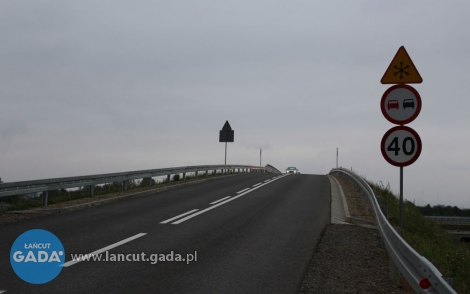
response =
{"points": [[58, 196], [428, 239]]}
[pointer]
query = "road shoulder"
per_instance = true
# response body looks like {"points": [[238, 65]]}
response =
{"points": [[349, 258]]}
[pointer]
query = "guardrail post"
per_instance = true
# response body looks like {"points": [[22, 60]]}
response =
{"points": [[184, 176], [168, 177], [45, 195], [92, 190], [196, 174], [394, 273], [207, 173], [384, 209], [449, 281], [125, 183]]}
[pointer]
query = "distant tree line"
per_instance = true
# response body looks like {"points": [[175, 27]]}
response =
{"points": [[442, 210]]}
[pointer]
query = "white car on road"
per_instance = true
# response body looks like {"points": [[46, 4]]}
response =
{"points": [[292, 170]]}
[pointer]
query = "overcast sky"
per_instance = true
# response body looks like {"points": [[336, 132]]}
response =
{"points": [[90, 87]]}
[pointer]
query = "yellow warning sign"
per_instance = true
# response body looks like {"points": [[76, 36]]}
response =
{"points": [[401, 70]]}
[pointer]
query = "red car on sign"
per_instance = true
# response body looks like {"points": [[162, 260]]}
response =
{"points": [[392, 104]]}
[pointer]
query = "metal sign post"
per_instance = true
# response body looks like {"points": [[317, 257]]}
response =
{"points": [[401, 199], [401, 104], [260, 157], [336, 157], [226, 135]]}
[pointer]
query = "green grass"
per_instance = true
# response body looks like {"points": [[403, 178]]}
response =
{"points": [[450, 257]]}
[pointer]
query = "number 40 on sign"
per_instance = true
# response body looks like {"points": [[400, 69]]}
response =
{"points": [[401, 146]]}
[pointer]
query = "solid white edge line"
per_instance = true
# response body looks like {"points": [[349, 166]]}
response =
{"points": [[178, 216], [267, 181], [243, 190], [2, 291], [257, 184], [216, 205], [220, 200], [72, 262]]}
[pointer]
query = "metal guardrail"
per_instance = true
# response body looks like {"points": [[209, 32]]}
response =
{"points": [[411, 265], [453, 220], [272, 169], [25, 187]]}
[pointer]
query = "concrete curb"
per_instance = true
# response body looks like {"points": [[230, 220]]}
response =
{"points": [[349, 219], [117, 198], [345, 204]]}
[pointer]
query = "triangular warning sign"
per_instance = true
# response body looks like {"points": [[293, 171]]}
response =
{"points": [[226, 126], [401, 70]]}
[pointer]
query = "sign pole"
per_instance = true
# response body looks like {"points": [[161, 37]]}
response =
{"points": [[260, 157], [401, 200], [400, 105], [336, 157], [226, 148], [226, 135]]}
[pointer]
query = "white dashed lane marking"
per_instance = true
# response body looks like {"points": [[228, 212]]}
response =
{"points": [[243, 190], [72, 262], [218, 204], [178, 216], [220, 200]]}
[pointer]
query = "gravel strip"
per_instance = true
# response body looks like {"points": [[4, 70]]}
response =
{"points": [[358, 205], [350, 259]]}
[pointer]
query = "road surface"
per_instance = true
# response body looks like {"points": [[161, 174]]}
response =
{"points": [[259, 240]]}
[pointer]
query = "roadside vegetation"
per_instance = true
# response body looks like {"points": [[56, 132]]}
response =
{"points": [[444, 210], [20, 202], [430, 240]]}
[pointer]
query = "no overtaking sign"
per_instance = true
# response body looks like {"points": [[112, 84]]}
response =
{"points": [[400, 104]]}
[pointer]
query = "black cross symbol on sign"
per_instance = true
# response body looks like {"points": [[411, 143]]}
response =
{"points": [[401, 70]]}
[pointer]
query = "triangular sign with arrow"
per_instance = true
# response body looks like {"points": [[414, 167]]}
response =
{"points": [[226, 126], [226, 134]]}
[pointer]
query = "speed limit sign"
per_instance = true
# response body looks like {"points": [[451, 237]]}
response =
{"points": [[401, 146]]}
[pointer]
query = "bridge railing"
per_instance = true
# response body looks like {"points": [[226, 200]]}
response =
{"points": [[454, 220], [411, 265], [271, 169], [45, 185]]}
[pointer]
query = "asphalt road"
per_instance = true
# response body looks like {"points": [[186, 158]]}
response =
{"points": [[259, 240]]}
